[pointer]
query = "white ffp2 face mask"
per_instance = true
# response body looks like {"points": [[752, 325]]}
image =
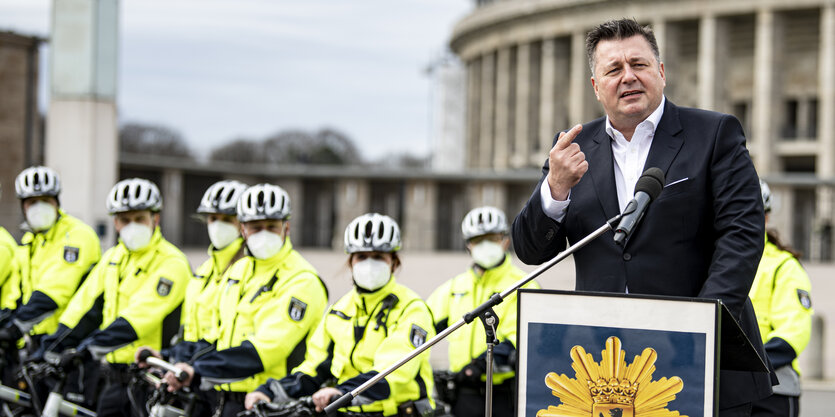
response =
{"points": [[136, 236], [221, 233], [264, 244], [487, 254], [371, 274], [41, 216]]}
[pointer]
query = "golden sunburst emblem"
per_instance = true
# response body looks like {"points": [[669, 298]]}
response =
{"points": [[611, 388]]}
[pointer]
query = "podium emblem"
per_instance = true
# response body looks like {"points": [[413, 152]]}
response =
{"points": [[612, 388]]}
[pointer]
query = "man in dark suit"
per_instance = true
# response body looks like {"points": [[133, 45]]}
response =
{"points": [[702, 237]]}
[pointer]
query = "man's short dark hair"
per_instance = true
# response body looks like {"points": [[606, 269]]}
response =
{"points": [[617, 30]]}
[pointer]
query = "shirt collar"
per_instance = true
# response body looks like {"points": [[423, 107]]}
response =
{"points": [[652, 121]]}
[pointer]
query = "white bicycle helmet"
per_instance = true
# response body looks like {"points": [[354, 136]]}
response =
{"points": [[484, 220], [222, 198], [766, 194], [134, 194], [37, 181], [264, 201], [372, 232]]}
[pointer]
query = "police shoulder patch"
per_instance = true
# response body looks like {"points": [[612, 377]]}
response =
{"points": [[417, 336], [164, 286], [297, 309], [70, 254], [805, 298]]}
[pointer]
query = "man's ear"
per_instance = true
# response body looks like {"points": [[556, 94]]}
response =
{"points": [[506, 243], [156, 219]]}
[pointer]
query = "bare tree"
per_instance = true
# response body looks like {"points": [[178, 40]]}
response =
{"points": [[152, 139], [239, 150], [325, 147]]}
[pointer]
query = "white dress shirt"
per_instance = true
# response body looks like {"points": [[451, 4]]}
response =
{"points": [[630, 156]]}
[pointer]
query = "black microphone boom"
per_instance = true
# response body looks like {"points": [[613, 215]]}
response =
{"points": [[647, 189]]}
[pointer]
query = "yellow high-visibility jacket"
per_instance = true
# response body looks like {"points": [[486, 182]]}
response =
{"points": [[363, 334], [782, 301], [464, 293], [268, 309], [9, 274], [200, 318], [52, 264], [135, 293]]}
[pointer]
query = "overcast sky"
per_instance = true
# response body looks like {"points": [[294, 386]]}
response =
{"points": [[221, 69]]}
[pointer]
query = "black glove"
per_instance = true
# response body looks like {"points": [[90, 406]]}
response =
{"points": [[471, 374], [72, 358], [10, 334]]}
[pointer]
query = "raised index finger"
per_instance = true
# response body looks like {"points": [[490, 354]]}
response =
{"points": [[566, 138]]}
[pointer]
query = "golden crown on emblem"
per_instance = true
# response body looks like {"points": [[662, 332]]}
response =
{"points": [[611, 388]]}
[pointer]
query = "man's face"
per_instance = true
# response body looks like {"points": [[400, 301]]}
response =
{"points": [[628, 81], [28, 202], [145, 217], [278, 227], [219, 217]]}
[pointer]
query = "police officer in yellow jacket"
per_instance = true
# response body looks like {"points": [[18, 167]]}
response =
{"points": [[9, 276], [364, 332], [200, 322], [485, 230], [131, 298], [269, 305], [57, 252], [781, 297]]}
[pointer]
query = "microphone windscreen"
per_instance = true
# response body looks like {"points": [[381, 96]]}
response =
{"points": [[651, 182]]}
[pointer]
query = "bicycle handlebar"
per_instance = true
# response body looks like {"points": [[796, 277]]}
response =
{"points": [[159, 363]]}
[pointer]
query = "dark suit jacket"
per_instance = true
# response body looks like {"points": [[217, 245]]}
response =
{"points": [[701, 237]]}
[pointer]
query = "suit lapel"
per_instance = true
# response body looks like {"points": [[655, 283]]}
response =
{"points": [[667, 140], [603, 175]]}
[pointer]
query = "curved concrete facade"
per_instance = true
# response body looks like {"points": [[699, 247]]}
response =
{"points": [[770, 63]]}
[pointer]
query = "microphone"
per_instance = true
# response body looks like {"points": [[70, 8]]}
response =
{"points": [[646, 189]]}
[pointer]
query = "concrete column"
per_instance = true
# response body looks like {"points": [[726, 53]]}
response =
{"points": [[487, 194], [421, 202], [659, 29], [579, 81], [352, 198], [826, 87], [295, 190], [826, 133], [522, 134], [171, 221], [81, 130], [487, 116], [667, 36], [763, 126], [547, 98], [708, 76], [472, 144], [501, 147]]}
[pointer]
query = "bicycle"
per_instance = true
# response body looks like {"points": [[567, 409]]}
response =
{"points": [[55, 404], [26, 403], [303, 407], [161, 403]]}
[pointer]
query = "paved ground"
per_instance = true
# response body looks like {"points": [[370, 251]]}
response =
{"points": [[425, 271], [818, 399]]}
